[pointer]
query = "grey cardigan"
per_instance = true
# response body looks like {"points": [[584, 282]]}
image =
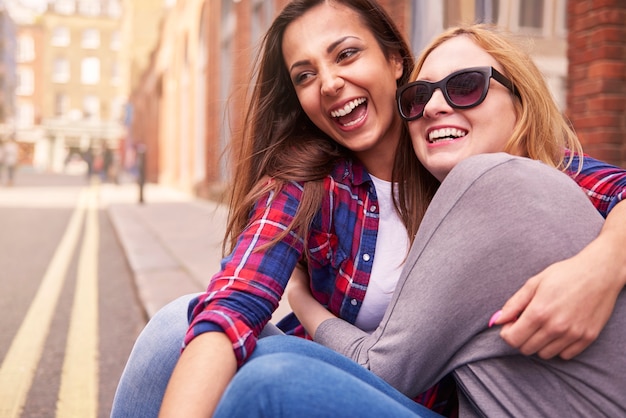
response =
{"points": [[496, 221]]}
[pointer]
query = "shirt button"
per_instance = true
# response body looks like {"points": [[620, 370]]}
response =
{"points": [[354, 302], [366, 257]]}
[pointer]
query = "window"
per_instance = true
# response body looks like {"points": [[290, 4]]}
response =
{"points": [[60, 36], [116, 40], [114, 9], [61, 70], [533, 17], [64, 7], [61, 104], [262, 16], [116, 75], [531, 14], [90, 71], [117, 108], [25, 48], [25, 115], [89, 7], [91, 39], [25, 82], [91, 107]]}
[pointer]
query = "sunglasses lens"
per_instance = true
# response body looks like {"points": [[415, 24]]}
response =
{"points": [[414, 99], [466, 89]]}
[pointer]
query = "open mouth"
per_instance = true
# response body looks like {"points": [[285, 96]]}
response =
{"points": [[352, 113], [445, 134]]}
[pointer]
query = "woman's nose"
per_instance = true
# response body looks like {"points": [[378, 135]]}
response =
{"points": [[331, 84], [437, 105]]}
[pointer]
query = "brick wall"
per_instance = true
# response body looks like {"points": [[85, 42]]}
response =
{"points": [[596, 99]]}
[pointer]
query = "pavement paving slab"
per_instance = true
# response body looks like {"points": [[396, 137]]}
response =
{"points": [[172, 241]]}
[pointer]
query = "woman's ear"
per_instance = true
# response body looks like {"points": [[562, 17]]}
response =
{"points": [[398, 63]]}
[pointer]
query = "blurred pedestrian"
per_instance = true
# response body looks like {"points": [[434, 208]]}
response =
{"points": [[1, 161], [10, 152], [88, 157]]}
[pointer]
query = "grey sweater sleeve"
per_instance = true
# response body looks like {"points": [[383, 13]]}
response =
{"points": [[496, 221]]}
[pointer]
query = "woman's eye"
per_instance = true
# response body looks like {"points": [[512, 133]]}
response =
{"points": [[346, 53], [301, 78]]}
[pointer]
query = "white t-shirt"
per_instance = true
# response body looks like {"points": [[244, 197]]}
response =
{"points": [[392, 245]]}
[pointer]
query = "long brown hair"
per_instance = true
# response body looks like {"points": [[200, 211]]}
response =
{"points": [[279, 143]]}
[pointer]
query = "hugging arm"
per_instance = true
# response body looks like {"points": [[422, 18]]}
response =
{"points": [[562, 310], [493, 223]]}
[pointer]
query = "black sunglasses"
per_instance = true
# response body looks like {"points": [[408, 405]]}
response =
{"points": [[462, 89]]}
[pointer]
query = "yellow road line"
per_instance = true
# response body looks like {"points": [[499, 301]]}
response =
{"points": [[78, 394], [20, 363]]}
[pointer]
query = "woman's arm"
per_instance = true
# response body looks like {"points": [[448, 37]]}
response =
{"points": [[239, 301], [307, 309], [563, 309], [188, 394], [242, 297]]}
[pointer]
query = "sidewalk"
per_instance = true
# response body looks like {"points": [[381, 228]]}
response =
{"points": [[172, 241]]}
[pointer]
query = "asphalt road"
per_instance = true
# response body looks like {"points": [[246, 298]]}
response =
{"points": [[69, 309]]}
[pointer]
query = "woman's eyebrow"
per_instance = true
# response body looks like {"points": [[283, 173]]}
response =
{"points": [[329, 49], [333, 45]]}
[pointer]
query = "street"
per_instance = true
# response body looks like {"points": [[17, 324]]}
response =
{"points": [[70, 312]]}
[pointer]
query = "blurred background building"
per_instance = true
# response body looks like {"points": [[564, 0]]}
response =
{"points": [[167, 77], [7, 71]]}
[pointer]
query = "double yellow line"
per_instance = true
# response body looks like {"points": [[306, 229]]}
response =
{"points": [[78, 394]]}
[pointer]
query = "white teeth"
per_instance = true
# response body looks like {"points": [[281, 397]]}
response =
{"points": [[349, 107], [446, 133]]}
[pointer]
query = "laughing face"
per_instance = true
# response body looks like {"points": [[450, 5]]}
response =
{"points": [[344, 82], [444, 135]]}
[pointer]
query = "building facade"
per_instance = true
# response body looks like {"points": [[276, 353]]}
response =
{"points": [[8, 72], [84, 97], [189, 98], [29, 91]]}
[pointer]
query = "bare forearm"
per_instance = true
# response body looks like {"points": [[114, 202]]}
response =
{"points": [[200, 377], [309, 311]]}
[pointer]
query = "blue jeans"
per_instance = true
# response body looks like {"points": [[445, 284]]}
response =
{"points": [[151, 362], [291, 377], [142, 385], [287, 368]]}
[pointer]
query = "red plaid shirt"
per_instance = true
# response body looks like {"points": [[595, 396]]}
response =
{"points": [[241, 298]]}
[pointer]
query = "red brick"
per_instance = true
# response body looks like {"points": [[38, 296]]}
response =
{"points": [[608, 34], [586, 87], [589, 120], [607, 3], [608, 103], [576, 107], [579, 7], [608, 70], [599, 139], [601, 17]]}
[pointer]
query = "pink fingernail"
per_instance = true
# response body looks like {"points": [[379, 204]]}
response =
{"points": [[494, 318]]}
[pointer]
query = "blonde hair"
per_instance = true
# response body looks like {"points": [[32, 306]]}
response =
{"points": [[541, 131]]}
